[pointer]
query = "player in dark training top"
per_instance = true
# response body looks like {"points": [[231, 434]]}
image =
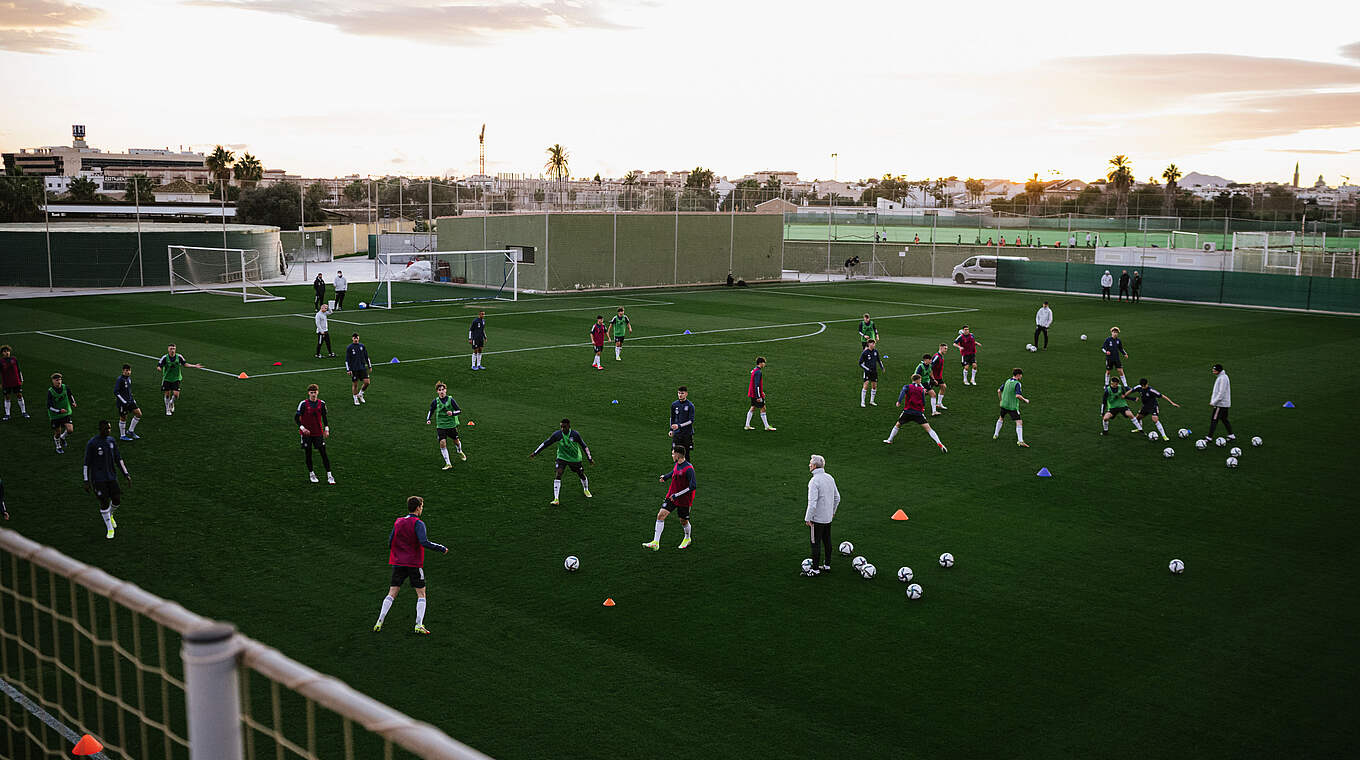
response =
{"points": [[11, 381], [755, 394], [172, 366], [936, 384], [443, 414], [1113, 348], [619, 325], [679, 498], [870, 363], [571, 450], [968, 345], [598, 332], [1010, 397], [1150, 396], [682, 421], [127, 406], [103, 462], [359, 366], [406, 546], [477, 339], [60, 403], [314, 430], [912, 400]]}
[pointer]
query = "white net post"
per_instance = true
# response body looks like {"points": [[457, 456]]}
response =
{"points": [[212, 692]]}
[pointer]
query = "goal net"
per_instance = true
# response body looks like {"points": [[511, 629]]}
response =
{"points": [[1152, 223], [232, 272], [406, 278], [407, 242], [1184, 239], [1350, 233], [1266, 252]]}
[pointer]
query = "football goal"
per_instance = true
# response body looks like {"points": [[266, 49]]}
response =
{"points": [[222, 271], [1185, 239], [406, 278], [1274, 252], [1350, 233], [1154, 223]]}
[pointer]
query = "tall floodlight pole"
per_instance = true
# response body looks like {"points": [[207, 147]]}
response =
{"points": [[137, 202]]}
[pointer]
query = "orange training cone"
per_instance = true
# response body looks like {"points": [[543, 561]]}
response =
{"points": [[609, 602], [899, 515], [87, 745], [243, 376]]}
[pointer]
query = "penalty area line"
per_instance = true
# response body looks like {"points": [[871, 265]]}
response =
{"points": [[123, 351]]}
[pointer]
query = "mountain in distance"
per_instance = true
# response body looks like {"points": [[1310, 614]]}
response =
{"points": [[1195, 179]]}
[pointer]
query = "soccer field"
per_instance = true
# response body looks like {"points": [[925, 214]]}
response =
{"points": [[1059, 632]]}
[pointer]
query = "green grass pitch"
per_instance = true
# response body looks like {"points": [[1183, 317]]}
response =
{"points": [[1059, 632]]}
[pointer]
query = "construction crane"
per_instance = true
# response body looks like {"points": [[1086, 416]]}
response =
{"points": [[481, 152]]}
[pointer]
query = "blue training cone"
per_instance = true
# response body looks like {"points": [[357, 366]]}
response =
{"points": [[395, 360], [687, 332], [1044, 473], [1289, 405], [615, 401]]}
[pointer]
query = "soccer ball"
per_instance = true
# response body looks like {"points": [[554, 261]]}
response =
{"points": [[868, 571], [1234, 452], [363, 305], [1031, 347], [1183, 433], [1176, 567], [1168, 452], [572, 564], [807, 566], [914, 591], [1083, 337], [904, 574], [946, 560], [846, 548], [1201, 444], [1220, 441], [1232, 462], [1152, 435], [1256, 441], [859, 562]]}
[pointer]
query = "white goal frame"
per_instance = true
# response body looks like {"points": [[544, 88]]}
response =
{"points": [[388, 264], [1278, 250], [236, 272], [1350, 233], [1145, 223], [1178, 236]]}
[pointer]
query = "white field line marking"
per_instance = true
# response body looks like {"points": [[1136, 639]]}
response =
{"points": [[823, 323], [501, 314], [818, 331], [160, 324], [124, 351]]}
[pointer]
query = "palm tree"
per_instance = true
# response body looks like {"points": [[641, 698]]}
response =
{"points": [[1034, 188], [249, 170], [1170, 174], [1121, 177], [219, 164], [557, 166], [630, 183]]}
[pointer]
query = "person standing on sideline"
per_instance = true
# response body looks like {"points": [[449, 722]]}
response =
{"points": [[323, 331], [314, 430], [172, 366], [1137, 286], [341, 288], [444, 413], [1088, 240], [1106, 282], [1010, 397], [571, 449], [477, 339], [620, 325], [102, 463], [598, 332], [319, 286], [1043, 319], [1123, 285], [11, 381], [823, 501], [679, 498], [406, 546], [870, 362], [682, 422], [1220, 400], [755, 393], [1113, 348], [127, 406], [968, 344], [60, 403], [359, 366]]}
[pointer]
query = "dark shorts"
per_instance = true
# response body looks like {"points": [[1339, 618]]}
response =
{"points": [[758, 403], [1148, 410], [358, 374], [911, 415], [313, 441], [870, 377], [935, 382], [599, 348], [128, 408], [575, 467], [170, 386], [969, 359], [1012, 413], [401, 573], [61, 422], [447, 433], [9, 389], [679, 510], [618, 340], [107, 493], [477, 343], [681, 439], [1118, 410], [1113, 362]]}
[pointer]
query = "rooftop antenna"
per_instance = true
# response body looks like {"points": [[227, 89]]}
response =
{"points": [[481, 151]]}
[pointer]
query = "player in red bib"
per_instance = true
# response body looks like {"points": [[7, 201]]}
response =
{"points": [[313, 429], [937, 375], [912, 399], [679, 498], [11, 380], [968, 344], [598, 333], [755, 393], [406, 554]]}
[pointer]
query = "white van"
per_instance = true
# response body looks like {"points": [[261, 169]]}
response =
{"points": [[981, 268]]}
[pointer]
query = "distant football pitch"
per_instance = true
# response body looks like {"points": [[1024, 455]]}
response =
{"points": [[1058, 632]]}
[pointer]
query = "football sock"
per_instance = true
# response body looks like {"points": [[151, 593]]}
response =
{"points": [[861, 397], [892, 433], [940, 399], [748, 418], [107, 516], [356, 396], [617, 351], [935, 437], [557, 488], [932, 404], [1104, 424], [420, 611], [873, 394], [474, 360], [965, 377], [1019, 432], [1137, 424], [23, 408], [1160, 429], [167, 403], [764, 420], [997, 432], [122, 427], [687, 527], [974, 380], [445, 453], [133, 425], [6, 407], [656, 532], [386, 607], [585, 483], [65, 433], [1107, 378]]}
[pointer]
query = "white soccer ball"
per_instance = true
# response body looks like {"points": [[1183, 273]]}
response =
{"points": [[807, 566], [1234, 452], [868, 571], [904, 574], [1256, 441], [363, 305], [1201, 444], [946, 560], [572, 564], [1031, 347], [1232, 462], [1152, 435], [914, 591], [1168, 452], [846, 548], [1176, 567], [1083, 337], [1183, 433], [1220, 441], [859, 562]]}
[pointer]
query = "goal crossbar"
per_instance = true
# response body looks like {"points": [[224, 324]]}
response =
{"points": [[423, 277], [220, 271]]}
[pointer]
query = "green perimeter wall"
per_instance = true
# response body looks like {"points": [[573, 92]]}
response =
{"points": [[922, 259], [1246, 288], [576, 251]]}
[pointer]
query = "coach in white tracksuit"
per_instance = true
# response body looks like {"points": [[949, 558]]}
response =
{"points": [[823, 499], [1106, 282], [1220, 400], [323, 332], [1043, 319]]}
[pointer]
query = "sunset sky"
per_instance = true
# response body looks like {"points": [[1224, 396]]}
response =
{"points": [[331, 87]]}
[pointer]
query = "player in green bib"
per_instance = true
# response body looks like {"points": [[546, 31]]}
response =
{"points": [[571, 449], [869, 331], [619, 326], [172, 366], [1114, 403], [60, 403], [443, 414], [1010, 397]]}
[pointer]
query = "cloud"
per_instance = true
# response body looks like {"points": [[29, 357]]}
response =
{"points": [[1351, 51], [432, 21], [37, 26]]}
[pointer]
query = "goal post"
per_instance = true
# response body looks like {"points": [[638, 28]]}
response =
{"points": [[1158, 223], [1184, 239], [408, 278], [232, 272], [1350, 233], [1274, 252]]}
